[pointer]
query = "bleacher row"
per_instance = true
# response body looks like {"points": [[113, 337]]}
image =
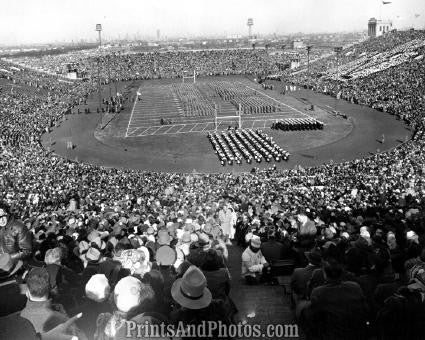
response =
{"points": [[296, 124], [234, 145]]}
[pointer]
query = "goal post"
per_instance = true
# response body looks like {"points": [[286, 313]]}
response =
{"points": [[187, 75], [229, 118]]}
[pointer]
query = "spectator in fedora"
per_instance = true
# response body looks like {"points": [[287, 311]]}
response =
{"points": [[194, 300], [198, 250]]}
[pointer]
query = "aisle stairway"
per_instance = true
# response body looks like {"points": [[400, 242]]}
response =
{"points": [[260, 304]]}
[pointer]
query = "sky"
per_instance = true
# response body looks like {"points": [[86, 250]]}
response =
{"points": [[48, 21]]}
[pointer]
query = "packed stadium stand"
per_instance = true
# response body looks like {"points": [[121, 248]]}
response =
{"points": [[345, 241]]}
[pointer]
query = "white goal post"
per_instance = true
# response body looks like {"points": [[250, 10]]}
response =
{"points": [[185, 76], [219, 119]]}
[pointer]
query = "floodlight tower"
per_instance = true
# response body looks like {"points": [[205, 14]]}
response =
{"points": [[250, 23], [99, 29], [338, 51], [309, 47]]}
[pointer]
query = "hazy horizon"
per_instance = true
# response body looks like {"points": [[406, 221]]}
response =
{"points": [[49, 21]]}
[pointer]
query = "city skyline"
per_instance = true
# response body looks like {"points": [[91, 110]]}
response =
{"points": [[37, 21]]}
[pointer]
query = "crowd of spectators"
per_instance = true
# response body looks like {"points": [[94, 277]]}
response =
{"points": [[397, 90], [154, 65], [119, 244]]}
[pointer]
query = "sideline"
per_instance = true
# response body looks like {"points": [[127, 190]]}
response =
{"points": [[132, 112]]}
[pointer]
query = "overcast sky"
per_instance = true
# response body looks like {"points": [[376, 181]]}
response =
{"points": [[40, 21]]}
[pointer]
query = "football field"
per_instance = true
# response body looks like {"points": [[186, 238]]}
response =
{"points": [[177, 108]]}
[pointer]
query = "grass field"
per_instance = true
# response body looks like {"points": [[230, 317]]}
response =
{"points": [[161, 101]]}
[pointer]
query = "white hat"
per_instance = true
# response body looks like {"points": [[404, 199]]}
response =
{"points": [[97, 288], [256, 241], [127, 293]]}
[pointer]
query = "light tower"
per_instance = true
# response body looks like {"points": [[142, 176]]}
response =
{"points": [[309, 47], [250, 23], [99, 29]]}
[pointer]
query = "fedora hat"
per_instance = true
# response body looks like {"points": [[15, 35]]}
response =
{"points": [[191, 290], [8, 267]]}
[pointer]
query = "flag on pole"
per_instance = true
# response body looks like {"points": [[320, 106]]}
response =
{"points": [[386, 2], [417, 15]]}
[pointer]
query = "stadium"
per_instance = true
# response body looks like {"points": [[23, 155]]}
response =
{"points": [[256, 189], [158, 132]]}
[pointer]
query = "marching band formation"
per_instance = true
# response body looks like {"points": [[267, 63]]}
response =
{"points": [[234, 145], [296, 124], [249, 101], [194, 103]]}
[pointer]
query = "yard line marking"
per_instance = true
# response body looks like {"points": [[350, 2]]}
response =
{"points": [[180, 128], [196, 124], [157, 130], [165, 132], [274, 99], [132, 111]]}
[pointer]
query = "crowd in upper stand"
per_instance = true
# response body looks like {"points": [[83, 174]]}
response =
{"points": [[153, 65], [119, 244], [397, 90]]}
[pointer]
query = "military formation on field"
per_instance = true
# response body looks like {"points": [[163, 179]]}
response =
{"points": [[297, 124], [249, 100], [194, 103], [234, 145]]}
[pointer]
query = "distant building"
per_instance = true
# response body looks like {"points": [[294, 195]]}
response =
{"points": [[377, 28], [297, 44]]}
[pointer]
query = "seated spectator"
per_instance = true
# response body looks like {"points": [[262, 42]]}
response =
{"points": [[95, 302], [338, 309], [272, 249], [39, 310], [255, 268], [15, 239], [163, 298], [12, 291], [301, 277], [194, 299], [402, 315], [218, 280], [131, 297], [14, 326]]}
